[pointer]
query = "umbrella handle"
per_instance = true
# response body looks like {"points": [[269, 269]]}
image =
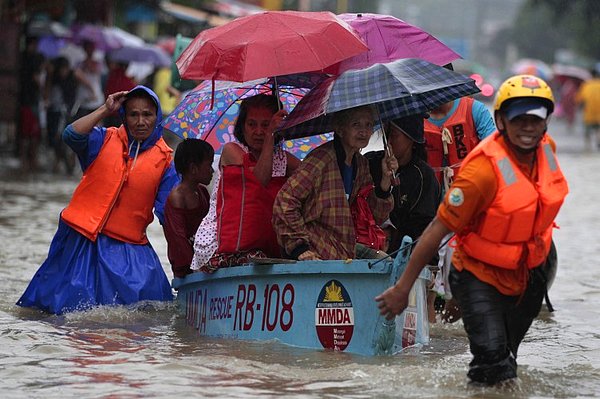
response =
{"points": [[275, 92], [393, 178]]}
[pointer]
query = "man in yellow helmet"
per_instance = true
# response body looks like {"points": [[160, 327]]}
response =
{"points": [[501, 207]]}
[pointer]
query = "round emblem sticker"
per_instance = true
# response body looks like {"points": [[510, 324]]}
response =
{"points": [[334, 316], [456, 197]]}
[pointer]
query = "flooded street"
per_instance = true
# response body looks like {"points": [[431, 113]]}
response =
{"points": [[146, 351]]}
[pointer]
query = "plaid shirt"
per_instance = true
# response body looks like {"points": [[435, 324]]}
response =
{"points": [[311, 208]]}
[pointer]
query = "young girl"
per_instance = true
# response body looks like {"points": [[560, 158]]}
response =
{"points": [[188, 202]]}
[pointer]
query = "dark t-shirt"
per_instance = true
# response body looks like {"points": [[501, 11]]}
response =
{"points": [[416, 198]]}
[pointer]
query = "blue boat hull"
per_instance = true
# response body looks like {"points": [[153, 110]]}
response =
{"points": [[310, 304]]}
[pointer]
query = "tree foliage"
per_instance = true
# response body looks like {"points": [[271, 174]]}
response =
{"points": [[546, 25]]}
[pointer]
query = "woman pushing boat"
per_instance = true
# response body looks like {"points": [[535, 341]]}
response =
{"points": [[100, 254]]}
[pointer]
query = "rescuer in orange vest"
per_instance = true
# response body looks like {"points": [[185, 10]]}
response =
{"points": [[501, 206], [100, 254]]}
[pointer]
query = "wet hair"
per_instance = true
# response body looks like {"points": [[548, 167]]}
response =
{"points": [[340, 118], [88, 46], [419, 151], [258, 101], [61, 62], [191, 151], [413, 127]]}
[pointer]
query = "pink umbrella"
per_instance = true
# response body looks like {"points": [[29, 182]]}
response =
{"points": [[389, 39]]}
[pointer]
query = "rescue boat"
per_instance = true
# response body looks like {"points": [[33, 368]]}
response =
{"points": [[320, 305]]}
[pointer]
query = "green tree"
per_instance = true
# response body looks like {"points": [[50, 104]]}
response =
{"points": [[578, 22]]}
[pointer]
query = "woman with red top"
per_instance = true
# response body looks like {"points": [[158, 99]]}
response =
{"points": [[251, 172], [188, 203]]}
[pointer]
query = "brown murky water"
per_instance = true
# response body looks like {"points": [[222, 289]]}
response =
{"points": [[148, 352]]}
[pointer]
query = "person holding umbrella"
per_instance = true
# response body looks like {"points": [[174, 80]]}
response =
{"points": [[417, 194], [252, 170], [322, 220], [502, 206], [312, 214]]}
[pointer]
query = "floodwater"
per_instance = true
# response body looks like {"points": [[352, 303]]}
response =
{"points": [[147, 351]]}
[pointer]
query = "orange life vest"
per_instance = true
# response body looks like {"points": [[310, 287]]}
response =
{"points": [[113, 198], [461, 138], [517, 227]]}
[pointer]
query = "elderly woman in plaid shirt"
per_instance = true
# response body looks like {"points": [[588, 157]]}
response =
{"points": [[311, 214]]}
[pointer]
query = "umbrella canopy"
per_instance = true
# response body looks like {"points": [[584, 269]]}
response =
{"points": [[73, 53], [50, 46], [389, 39], [146, 53], [530, 66], [195, 118], [398, 88], [40, 28], [571, 71], [106, 38], [268, 44]]}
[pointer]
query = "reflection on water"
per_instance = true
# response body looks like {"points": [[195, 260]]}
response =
{"points": [[147, 351]]}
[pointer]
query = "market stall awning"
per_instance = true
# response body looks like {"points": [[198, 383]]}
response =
{"points": [[192, 15]]}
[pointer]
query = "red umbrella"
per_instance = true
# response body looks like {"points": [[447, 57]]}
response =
{"points": [[389, 39], [270, 43]]}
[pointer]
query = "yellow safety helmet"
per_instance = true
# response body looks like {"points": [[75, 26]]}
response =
{"points": [[524, 86]]}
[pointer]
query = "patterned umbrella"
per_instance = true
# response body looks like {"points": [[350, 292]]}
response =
{"points": [[530, 66], [398, 88], [194, 116]]}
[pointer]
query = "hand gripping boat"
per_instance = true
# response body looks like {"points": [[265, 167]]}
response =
{"points": [[309, 304]]}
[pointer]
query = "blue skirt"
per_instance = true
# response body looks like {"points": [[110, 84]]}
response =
{"points": [[79, 274]]}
